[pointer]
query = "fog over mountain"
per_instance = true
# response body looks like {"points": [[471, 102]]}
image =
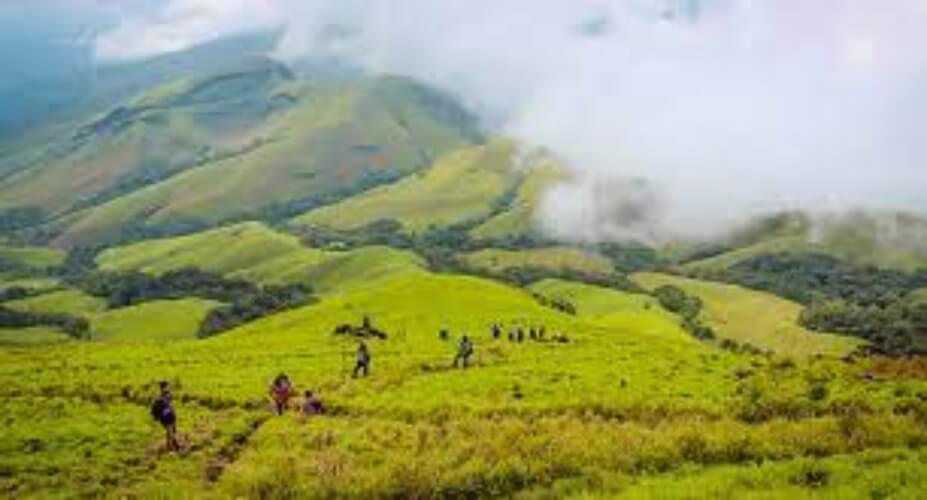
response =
{"points": [[678, 118]]}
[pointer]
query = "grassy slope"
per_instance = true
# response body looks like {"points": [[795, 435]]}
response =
{"points": [[525, 415], [893, 473], [72, 302], [36, 336], [159, 320], [34, 257], [330, 139], [756, 317], [519, 218], [882, 239], [255, 252], [162, 131], [461, 186], [554, 258], [35, 284], [591, 300]]}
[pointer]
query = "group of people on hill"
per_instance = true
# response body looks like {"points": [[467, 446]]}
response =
{"points": [[281, 392], [519, 334], [281, 389]]}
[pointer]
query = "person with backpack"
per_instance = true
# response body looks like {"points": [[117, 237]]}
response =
{"points": [[363, 361], [464, 351], [162, 410], [280, 392]]}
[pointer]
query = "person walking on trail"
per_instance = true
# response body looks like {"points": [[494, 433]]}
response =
{"points": [[281, 391], [464, 351], [162, 410], [496, 331], [312, 405], [363, 361]]}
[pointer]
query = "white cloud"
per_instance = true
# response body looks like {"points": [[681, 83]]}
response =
{"points": [[177, 24]]}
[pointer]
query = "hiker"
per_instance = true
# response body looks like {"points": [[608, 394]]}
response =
{"points": [[162, 410], [496, 331], [363, 360], [281, 391], [464, 351], [521, 335], [312, 405]]}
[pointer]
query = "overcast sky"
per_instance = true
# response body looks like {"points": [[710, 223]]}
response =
{"points": [[727, 107]]}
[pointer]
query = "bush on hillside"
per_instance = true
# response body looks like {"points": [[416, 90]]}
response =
{"points": [[74, 326], [270, 300]]}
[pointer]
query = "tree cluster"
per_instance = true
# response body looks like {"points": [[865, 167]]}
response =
{"points": [[676, 300], [74, 326]]}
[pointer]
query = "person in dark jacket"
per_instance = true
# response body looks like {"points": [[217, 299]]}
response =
{"points": [[363, 361], [162, 410], [464, 351]]}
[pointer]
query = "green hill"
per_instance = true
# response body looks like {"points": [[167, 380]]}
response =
{"points": [[330, 140], [893, 241], [31, 257], [160, 320], [591, 300], [552, 258], [73, 302], [759, 318], [166, 130], [461, 186], [494, 187], [38, 336], [530, 416], [518, 219], [257, 253]]}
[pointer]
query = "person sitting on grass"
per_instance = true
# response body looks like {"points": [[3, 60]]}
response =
{"points": [[363, 361], [464, 351], [162, 410], [312, 405], [280, 392]]}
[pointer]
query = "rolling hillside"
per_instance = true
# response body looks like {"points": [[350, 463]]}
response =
{"points": [[155, 321], [895, 241], [257, 253], [463, 185], [518, 218], [166, 130], [422, 231], [31, 257], [332, 140], [67, 301], [552, 258], [759, 318], [548, 414]]}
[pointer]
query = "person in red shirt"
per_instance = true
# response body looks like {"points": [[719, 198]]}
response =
{"points": [[281, 391]]}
